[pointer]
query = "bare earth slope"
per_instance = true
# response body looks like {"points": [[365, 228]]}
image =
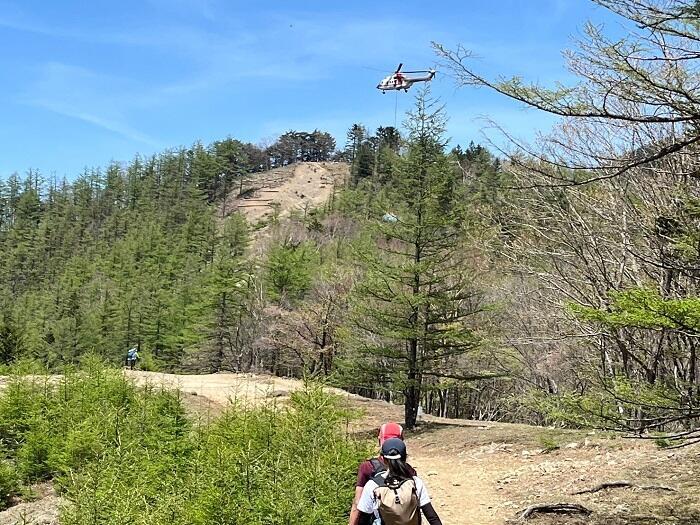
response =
{"points": [[297, 187], [479, 473]]}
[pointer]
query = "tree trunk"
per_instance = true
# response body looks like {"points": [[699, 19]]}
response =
{"points": [[413, 388]]}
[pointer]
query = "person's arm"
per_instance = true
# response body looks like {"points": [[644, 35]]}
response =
{"points": [[364, 473], [365, 505], [354, 513], [430, 514]]}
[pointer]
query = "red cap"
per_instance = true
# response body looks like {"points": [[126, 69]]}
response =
{"points": [[390, 430]]}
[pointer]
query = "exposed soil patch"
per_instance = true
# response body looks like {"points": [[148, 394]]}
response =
{"points": [[297, 187], [43, 510]]}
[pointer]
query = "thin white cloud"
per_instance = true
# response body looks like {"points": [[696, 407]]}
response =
{"points": [[206, 9], [120, 128], [289, 47], [299, 48], [17, 21], [87, 96]]}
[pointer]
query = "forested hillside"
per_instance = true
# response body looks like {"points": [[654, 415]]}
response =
{"points": [[549, 283], [132, 254]]}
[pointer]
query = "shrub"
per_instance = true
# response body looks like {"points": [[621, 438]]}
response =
{"points": [[121, 454], [549, 443], [9, 483], [33, 456]]}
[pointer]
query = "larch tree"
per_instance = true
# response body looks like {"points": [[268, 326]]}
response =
{"points": [[410, 316], [226, 299]]}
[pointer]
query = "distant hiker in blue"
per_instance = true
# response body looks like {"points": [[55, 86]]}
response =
{"points": [[131, 357]]}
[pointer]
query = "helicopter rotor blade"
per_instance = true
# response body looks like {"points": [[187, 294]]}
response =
{"points": [[398, 68], [419, 71]]}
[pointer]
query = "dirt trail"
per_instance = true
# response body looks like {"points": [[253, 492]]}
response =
{"points": [[223, 388], [463, 485], [477, 473], [211, 393], [484, 473], [462, 488]]}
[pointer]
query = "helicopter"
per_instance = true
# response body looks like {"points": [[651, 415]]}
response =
{"points": [[398, 80]]}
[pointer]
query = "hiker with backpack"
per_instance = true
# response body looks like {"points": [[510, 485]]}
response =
{"points": [[395, 496], [131, 357], [371, 467]]}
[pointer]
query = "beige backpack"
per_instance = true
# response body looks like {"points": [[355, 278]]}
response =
{"points": [[397, 499]]}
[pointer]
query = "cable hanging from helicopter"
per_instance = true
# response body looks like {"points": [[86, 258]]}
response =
{"points": [[398, 79]]}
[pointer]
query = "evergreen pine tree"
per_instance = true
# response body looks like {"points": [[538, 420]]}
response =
{"points": [[410, 313]]}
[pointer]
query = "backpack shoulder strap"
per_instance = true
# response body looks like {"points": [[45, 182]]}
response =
{"points": [[378, 472], [377, 466]]}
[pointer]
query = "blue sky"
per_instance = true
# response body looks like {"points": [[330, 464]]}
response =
{"points": [[85, 83]]}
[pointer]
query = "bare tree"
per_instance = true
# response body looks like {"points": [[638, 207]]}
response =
{"points": [[607, 238], [645, 86], [304, 338]]}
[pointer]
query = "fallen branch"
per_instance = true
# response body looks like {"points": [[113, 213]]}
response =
{"points": [[554, 508], [622, 484]]}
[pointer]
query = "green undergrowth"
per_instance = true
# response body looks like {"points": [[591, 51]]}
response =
{"points": [[128, 455]]}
